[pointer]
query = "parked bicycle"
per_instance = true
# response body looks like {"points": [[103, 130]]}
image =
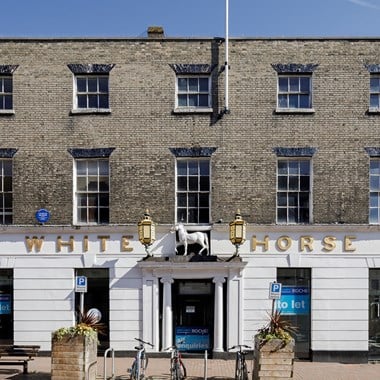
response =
{"points": [[141, 361], [177, 368], [241, 370]]}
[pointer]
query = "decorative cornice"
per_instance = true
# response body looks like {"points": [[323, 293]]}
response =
{"points": [[193, 152], [373, 151], [7, 152], [293, 68], [77, 68], [8, 69], [192, 68], [90, 153], [295, 152], [373, 68]]}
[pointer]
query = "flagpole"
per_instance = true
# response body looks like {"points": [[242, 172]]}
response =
{"points": [[226, 66]]}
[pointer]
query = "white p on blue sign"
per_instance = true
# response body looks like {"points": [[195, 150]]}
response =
{"points": [[275, 290], [81, 284]]}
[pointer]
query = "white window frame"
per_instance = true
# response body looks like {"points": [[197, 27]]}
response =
{"points": [[97, 192], [6, 212], [4, 94], [87, 93], [298, 192], [374, 108], [187, 192], [374, 192], [295, 93], [196, 108]]}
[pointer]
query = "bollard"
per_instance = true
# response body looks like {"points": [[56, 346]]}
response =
{"points": [[205, 366]]}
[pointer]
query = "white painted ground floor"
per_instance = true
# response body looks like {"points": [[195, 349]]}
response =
{"points": [[330, 278]]}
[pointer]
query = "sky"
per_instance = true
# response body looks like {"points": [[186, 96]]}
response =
{"points": [[190, 18]]}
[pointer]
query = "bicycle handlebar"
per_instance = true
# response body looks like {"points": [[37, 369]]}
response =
{"points": [[172, 348], [143, 342], [239, 346]]}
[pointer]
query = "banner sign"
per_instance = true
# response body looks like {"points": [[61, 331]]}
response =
{"points": [[192, 338], [5, 304], [295, 300]]}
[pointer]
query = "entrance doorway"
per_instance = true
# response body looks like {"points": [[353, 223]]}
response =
{"points": [[193, 314], [6, 306], [374, 315], [97, 296], [295, 305]]}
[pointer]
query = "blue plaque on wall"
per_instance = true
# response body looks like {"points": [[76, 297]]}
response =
{"points": [[42, 215]]}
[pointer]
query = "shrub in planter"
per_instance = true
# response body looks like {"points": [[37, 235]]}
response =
{"points": [[74, 349], [274, 349]]}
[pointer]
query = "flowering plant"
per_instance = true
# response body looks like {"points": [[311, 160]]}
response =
{"points": [[88, 325], [277, 328]]}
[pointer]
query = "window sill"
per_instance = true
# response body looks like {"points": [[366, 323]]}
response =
{"points": [[295, 110], [89, 111], [182, 110], [7, 112], [373, 110]]}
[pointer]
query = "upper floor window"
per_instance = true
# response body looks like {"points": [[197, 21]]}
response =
{"points": [[294, 87], [374, 191], [6, 92], [193, 87], [6, 88], [92, 92], [91, 88], [193, 190], [294, 92], [374, 92], [6, 208], [293, 190]]}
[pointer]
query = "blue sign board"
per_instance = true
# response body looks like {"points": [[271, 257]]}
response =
{"points": [[295, 300], [5, 304], [42, 215], [274, 290], [81, 284], [192, 338]]}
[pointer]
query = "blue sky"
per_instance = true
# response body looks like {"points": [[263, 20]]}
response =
{"points": [[190, 18]]}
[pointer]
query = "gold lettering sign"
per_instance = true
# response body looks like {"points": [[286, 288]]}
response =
{"points": [[103, 241], [34, 242], [348, 247], [264, 243], [329, 243], [61, 243], [283, 243], [125, 243], [306, 242]]}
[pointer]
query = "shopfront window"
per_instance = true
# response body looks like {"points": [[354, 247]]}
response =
{"points": [[294, 304], [6, 306], [374, 314]]}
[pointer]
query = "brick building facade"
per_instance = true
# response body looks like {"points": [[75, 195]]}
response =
{"points": [[145, 106]]}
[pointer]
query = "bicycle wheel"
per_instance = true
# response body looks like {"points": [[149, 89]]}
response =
{"points": [[237, 369], [245, 371]]}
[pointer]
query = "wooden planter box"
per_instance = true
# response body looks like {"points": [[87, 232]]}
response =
{"points": [[74, 358], [273, 360]]}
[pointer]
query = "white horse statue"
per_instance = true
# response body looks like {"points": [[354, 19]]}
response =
{"points": [[193, 238]]}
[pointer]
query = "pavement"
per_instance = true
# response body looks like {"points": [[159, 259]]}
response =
{"points": [[216, 369]]}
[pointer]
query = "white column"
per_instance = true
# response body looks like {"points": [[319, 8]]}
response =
{"points": [[167, 311], [218, 314]]}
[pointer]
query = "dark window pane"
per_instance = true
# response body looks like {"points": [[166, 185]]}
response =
{"points": [[304, 183], [193, 216], [375, 167], [282, 199], [203, 84], [182, 84], [92, 101], [82, 200], [81, 84], [8, 104], [81, 184], [8, 85], [182, 215], [283, 101], [374, 200], [193, 84], [294, 84], [193, 200], [92, 199], [182, 183], [203, 100], [374, 215], [283, 84], [282, 215], [204, 183], [92, 84], [193, 100], [8, 219], [103, 101], [103, 85], [203, 200], [193, 167], [182, 100], [182, 167], [304, 101], [293, 199], [81, 167], [8, 201], [282, 167], [104, 200], [293, 183], [293, 101], [181, 200], [282, 183], [82, 101], [92, 184], [104, 216], [305, 84], [7, 184], [204, 215], [103, 167], [204, 168], [374, 84], [374, 183], [103, 184], [193, 184], [304, 215], [292, 215], [304, 200], [374, 101], [93, 215], [304, 167], [293, 167], [82, 215], [2, 102]]}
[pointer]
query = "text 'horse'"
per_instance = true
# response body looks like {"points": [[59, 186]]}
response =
{"points": [[186, 238]]}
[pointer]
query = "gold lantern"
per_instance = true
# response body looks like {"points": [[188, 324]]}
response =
{"points": [[237, 231], [147, 231]]}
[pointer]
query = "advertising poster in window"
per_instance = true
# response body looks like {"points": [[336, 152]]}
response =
{"points": [[5, 304], [295, 300], [192, 338]]}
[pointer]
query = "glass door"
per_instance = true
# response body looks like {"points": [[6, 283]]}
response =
{"points": [[295, 305], [374, 315]]}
